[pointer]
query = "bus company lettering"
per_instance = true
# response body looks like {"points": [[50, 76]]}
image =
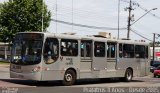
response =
{"points": [[70, 61]]}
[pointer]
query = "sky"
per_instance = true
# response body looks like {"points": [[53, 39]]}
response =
{"points": [[104, 13]]}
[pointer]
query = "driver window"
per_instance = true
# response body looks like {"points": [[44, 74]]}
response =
{"points": [[51, 52]]}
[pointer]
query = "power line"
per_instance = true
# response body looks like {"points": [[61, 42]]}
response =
{"points": [[141, 7], [87, 26], [146, 10], [95, 27], [140, 35], [129, 18], [83, 13], [86, 15]]}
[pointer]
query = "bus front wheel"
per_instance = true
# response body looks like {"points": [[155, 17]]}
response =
{"points": [[69, 78]]}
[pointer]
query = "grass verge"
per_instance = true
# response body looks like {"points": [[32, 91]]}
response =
{"points": [[4, 63]]}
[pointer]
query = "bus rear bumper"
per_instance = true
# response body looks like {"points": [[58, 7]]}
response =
{"points": [[27, 76]]}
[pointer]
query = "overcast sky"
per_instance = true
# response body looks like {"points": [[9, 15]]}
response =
{"points": [[104, 13]]}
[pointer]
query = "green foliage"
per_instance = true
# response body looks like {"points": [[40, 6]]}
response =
{"points": [[4, 63], [21, 16]]}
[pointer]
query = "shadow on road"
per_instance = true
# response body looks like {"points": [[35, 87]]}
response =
{"points": [[102, 81], [58, 83], [32, 83]]}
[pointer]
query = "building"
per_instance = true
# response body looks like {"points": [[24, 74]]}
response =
{"points": [[157, 53], [5, 51]]}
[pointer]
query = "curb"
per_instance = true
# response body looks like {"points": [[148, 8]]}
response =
{"points": [[4, 65]]}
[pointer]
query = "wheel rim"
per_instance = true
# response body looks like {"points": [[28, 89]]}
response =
{"points": [[129, 75], [68, 77]]}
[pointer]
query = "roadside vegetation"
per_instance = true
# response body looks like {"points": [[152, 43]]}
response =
{"points": [[22, 16], [4, 63]]}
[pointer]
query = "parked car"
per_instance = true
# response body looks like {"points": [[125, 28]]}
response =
{"points": [[154, 65], [157, 72]]}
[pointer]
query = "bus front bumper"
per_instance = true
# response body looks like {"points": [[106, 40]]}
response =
{"points": [[28, 76]]}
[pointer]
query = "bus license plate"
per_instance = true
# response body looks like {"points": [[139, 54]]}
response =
{"points": [[16, 67]]}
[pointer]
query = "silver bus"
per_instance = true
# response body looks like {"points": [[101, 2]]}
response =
{"points": [[48, 56]]}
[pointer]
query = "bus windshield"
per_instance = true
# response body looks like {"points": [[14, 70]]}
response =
{"points": [[26, 51]]}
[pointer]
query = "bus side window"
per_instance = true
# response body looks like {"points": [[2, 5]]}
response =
{"points": [[86, 48], [111, 51], [140, 51], [82, 49], [51, 48], [128, 51], [120, 50], [99, 50], [125, 54], [69, 47], [146, 52]]}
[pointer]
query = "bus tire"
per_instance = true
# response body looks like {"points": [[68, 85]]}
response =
{"points": [[69, 78], [128, 75]]}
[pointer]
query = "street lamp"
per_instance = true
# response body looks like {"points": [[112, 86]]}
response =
{"points": [[143, 15], [153, 33], [129, 25]]}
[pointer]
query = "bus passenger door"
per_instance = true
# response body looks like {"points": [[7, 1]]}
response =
{"points": [[99, 63], [86, 58], [111, 56], [50, 57]]}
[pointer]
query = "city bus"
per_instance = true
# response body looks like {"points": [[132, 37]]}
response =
{"points": [[49, 56]]}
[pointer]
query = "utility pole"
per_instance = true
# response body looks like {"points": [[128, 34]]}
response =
{"points": [[129, 19], [42, 14], [118, 16], [153, 46]]}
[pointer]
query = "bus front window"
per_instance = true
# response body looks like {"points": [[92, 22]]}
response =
{"points": [[27, 52]]}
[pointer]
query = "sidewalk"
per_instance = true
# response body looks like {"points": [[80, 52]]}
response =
{"points": [[4, 72], [5, 65]]}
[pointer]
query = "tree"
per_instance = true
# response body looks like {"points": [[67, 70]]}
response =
{"points": [[21, 16]]}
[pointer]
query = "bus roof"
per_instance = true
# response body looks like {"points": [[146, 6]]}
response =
{"points": [[78, 37]]}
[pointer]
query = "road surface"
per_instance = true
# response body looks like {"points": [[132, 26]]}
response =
{"points": [[146, 84]]}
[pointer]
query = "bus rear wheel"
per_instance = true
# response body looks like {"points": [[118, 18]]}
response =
{"points": [[69, 78], [128, 75]]}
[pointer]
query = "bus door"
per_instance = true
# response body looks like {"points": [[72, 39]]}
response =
{"points": [[141, 54], [99, 59], [111, 56], [86, 56], [50, 58]]}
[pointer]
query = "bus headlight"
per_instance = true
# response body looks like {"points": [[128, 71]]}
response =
{"points": [[36, 69]]}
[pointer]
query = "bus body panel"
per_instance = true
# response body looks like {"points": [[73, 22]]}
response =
{"points": [[129, 64], [144, 67], [27, 76], [31, 72], [84, 66], [52, 71]]}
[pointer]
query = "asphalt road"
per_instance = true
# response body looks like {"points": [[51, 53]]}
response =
{"points": [[144, 84]]}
